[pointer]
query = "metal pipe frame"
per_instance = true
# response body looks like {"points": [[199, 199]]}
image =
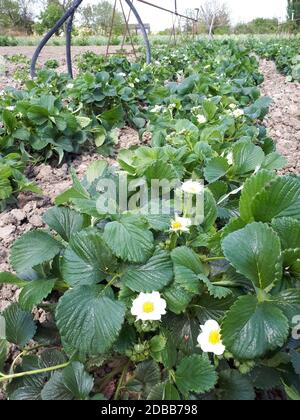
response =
{"points": [[168, 10], [69, 18]]}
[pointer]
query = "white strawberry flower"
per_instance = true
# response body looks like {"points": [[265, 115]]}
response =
{"points": [[238, 113], [192, 187], [233, 106], [181, 224], [70, 86], [201, 119], [230, 158], [149, 307], [210, 339], [157, 109], [10, 108]]}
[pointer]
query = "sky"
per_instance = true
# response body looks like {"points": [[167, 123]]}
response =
{"points": [[241, 10]]}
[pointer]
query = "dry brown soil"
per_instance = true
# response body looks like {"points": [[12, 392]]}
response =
{"points": [[283, 120]]}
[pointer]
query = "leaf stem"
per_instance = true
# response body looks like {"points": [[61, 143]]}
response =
{"points": [[213, 259], [32, 372], [121, 381], [23, 353]]}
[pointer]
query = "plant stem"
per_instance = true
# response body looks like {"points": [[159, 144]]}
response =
{"points": [[111, 282], [120, 384], [213, 259], [33, 372], [23, 353], [173, 241]]}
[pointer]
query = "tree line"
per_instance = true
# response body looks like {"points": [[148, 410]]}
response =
{"points": [[38, 16]]}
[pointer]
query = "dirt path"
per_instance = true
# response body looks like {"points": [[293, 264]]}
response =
{"points": [[283, 120], [58, 52]]}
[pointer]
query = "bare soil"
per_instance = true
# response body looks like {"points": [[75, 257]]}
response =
{"points": [[48, 53], [283, 120]]}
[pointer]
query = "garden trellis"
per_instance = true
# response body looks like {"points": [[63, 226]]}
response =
{"points": [[68, 19]]}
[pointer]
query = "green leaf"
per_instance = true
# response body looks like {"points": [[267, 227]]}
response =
{"points": [[247, 157], [88, 320], [210, 210], [9, 278], [255, 253], [161, 170], [34, 293], [2, 328], [148, 373], [279, 198], [183, 331], [33, 248], [26, 393], [265, 378], [274, 161], [251, 328], [218, 292], [233, 386], [95, 170], [215, 169], [288, 230], [78, 381], [76, 191], [129, 239], [64, 221], [295, 358], [112, 117], [171, 393], [253, 186], [157, 392], [177, 298], [87, 259], [9, 120], [292, 393], [156, 274], [209, 307], [55, 389], [288, 301], [210, 109], [187, 267], [5, 189], [20, 327], [203, 379], [3, 352]]}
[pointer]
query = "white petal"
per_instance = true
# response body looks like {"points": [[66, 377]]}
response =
{"points": [[210, 326], [219, 349]]}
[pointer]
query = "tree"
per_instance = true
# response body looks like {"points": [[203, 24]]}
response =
{"points": [[53, 12], [215, 15], [294, 11], [16, 15], [258, 26], [98, 18]]}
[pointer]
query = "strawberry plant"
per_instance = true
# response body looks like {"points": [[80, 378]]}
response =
{"points": [[159, 295], [12, 179]]}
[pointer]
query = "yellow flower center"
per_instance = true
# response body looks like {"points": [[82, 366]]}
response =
{"points": [[214, 338], [148, 307], [176, 225]]}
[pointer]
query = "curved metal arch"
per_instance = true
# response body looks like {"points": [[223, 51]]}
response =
{"points": [[69, 18]]}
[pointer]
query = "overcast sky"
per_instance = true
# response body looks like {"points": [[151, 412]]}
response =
{"points": [[241, 10]]}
